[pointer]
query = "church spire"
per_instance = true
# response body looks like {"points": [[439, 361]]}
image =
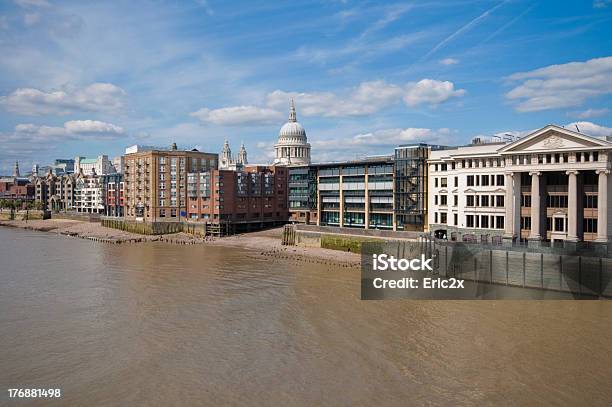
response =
{"points": [[16, 169], [292, 114], [242, 155]]}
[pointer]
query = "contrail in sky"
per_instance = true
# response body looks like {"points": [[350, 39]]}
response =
{"points": [[463, 29]]}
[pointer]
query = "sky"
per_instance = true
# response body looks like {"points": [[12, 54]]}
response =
{"points": [[90, 77]]}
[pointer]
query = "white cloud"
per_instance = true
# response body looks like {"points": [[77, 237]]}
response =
{"points": [[362, 143], [30, 19], [430, 91], [560, 86], [33, 3], [589, 113], [601, 3], [365, 99], [74, 129], [590, 128], [97, 97], [449, 61], [230, 116]]}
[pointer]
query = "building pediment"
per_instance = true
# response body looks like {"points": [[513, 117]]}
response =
{"points": [[554, 138]]}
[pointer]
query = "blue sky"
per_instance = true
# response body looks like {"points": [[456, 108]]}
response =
{"points": [[89, 78]]}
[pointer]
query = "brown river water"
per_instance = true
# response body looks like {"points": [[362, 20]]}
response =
{"points": [[161, 325]]}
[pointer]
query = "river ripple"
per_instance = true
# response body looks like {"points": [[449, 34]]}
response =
{"points": [[159, 325]]}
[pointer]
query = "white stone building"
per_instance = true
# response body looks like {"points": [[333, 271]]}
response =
{"points": [[229, 162], [292, 147], [100, 165], [550, 185], [89, 194]]}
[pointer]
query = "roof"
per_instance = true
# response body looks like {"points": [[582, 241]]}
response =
{"points": [[88, 161]]}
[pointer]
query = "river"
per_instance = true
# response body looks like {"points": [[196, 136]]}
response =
{"points": [[164, 325]]}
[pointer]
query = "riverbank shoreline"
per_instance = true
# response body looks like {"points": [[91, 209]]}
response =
{"points": [[266, 242]]}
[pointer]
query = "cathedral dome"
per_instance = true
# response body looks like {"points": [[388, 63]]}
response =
{"points": [[292, 147], [292, 130]]}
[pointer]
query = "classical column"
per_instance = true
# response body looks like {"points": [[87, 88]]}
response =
{"points": [[509, 221], [318, 202], [367, 199], [341, 185], [535, 206], [572, 206], [602, 206], [516, 204]]}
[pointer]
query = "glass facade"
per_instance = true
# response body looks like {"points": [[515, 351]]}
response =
{"points": [[411, 186], [302, 188]]}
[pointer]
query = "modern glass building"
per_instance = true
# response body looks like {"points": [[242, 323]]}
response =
{"points": [[357, 194], [303, 194], [411, 186]]}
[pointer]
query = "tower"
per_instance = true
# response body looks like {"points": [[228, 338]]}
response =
{"points": [[16, 169], [242, 155], [226, 160]]}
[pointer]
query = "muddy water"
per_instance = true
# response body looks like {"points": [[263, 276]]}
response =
{"points": [[160, 325]]}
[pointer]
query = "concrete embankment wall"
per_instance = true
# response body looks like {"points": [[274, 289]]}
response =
{"points": [[6, 214], [83, 217], [348, 240], [143, 228]]}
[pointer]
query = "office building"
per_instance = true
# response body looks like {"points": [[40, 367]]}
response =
{"points": [[551, 185]]}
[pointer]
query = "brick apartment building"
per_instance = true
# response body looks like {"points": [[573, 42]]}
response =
{"points": [[253, 195], [115, 195], [16, 189], [155, 181]]}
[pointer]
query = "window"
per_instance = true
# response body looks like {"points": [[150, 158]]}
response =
{"points": [[500, 180], [559, 225], [499, 201], [455, 200], [436, 182], [590, 225], [484, 200], [456, 181], [469, 221], [499, 222], [526, 222], [470, 200], [484, 221], [455, 219], [485, 180], [435, 199], [443, 200], [556, 201], [443, 216], [470, 180], [435, 217], [526, 201], [443, 182], [443, 167], [590, 201]]}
